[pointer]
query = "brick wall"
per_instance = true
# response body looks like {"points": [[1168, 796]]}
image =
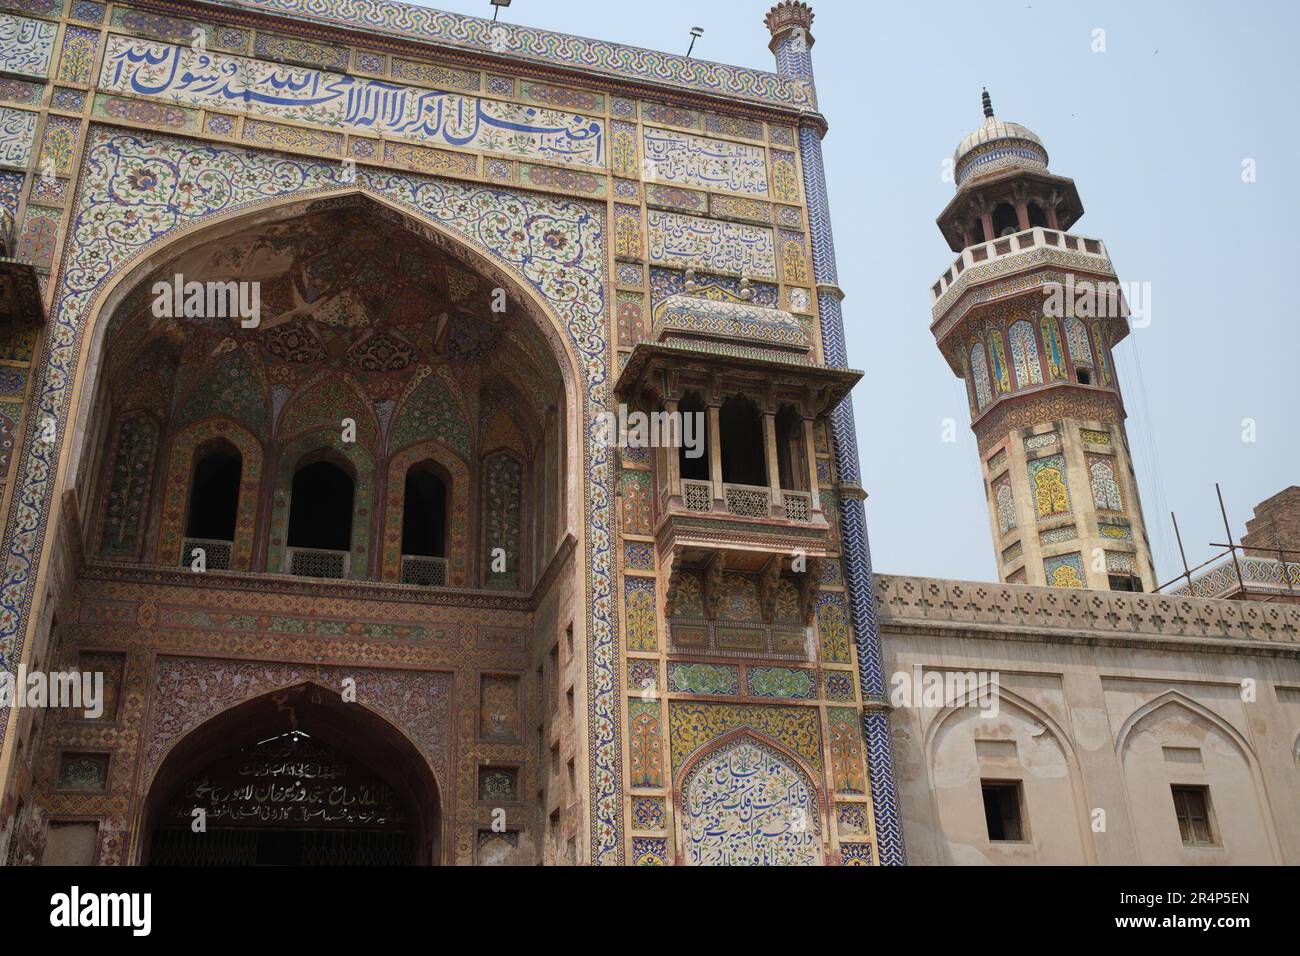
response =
{"points": [[1276, 521]]}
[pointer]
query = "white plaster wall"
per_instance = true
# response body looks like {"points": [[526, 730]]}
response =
{"points": [[1090, 721]]}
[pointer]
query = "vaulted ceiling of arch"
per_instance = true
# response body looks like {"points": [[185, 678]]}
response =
{"points": [[351, 304]]}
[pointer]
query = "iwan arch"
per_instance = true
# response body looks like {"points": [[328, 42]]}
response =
{"points": [[438, 620]]}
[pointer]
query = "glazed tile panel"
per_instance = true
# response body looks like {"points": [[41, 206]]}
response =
{"points": [[17, 130], [26, 46], [682, 159], [486, 36], [712, 246], [181, 75]]}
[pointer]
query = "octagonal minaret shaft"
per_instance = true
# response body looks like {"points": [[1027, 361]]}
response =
{"points": [[1027, 315]]}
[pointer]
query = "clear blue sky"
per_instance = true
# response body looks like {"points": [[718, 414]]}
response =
{"points": [[1153, 131]]}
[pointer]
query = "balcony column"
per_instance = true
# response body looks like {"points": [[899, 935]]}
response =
{"points": [[810, 456], [715, 449], [1022, 213], [773, 469], [1020, 200], [674, 456]]}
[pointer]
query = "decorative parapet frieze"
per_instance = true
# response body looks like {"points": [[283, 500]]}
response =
{"points": [[694, 316], [492, 38], [1256, 574], [1035, 613]]}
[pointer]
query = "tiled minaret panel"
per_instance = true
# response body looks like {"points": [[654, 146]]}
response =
{"points": [[790, 23]]}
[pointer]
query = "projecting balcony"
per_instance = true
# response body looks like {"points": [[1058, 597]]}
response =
{"points": [[741, 381], [755, 519], [746, 501], [1049, 245]]}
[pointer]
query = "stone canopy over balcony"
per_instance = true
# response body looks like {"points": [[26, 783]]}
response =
{"points": [[695, 320]]}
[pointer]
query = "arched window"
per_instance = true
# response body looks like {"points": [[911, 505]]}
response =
{"points": [[743, 458], [424, 512], [1052, 346], [214, 506], [694, 462], [1005, 220], [1076, 337], [1037, 217], [791, 461], [998, 361], [979, 367], [1024, 354], [320, 519]]}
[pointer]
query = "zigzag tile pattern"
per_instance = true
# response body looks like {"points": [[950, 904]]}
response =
{"points": [[853, 525]]}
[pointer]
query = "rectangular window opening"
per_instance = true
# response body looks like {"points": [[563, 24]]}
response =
{"points": [[1192, 807], [1002, 810]]}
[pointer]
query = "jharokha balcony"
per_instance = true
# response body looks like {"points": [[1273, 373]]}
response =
{"points": [[743, 480]]}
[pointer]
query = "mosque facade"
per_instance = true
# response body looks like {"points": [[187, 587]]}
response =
{"points": [[428, 440]]}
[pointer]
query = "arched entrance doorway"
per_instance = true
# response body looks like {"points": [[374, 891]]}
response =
{"points": [[293, 778]]}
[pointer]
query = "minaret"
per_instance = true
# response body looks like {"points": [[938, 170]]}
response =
{"points": [[1027, 315]]}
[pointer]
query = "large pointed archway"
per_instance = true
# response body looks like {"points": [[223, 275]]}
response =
{"points": [[293, 777], [549, 255]]}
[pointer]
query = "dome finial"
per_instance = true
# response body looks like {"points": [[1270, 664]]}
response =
{"points": [[988, 103]]}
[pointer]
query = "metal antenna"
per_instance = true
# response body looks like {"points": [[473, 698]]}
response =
{"points": [[696, 33]]}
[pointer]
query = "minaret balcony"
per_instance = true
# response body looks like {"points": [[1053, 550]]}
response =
{"points": [[1009, 254]]}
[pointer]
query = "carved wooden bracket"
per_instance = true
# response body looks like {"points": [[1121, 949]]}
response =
{"points": [[768, 580], [808, 590], [712, 586], [673, 591]]}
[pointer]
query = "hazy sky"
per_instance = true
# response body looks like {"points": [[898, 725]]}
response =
{"points": [[1154, 132]]}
